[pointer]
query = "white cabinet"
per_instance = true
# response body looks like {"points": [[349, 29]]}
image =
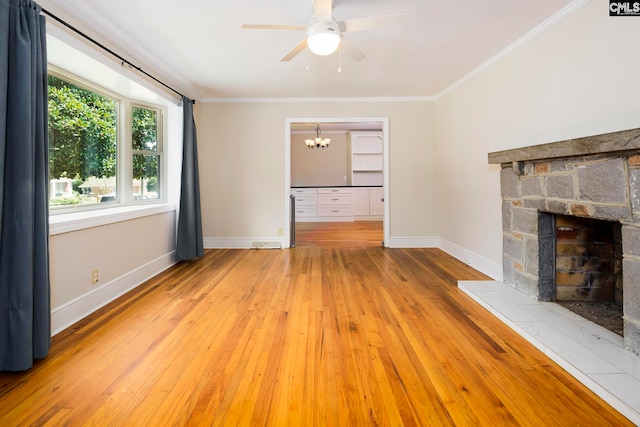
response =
{"points": [[376, 203], [365, 159], [305, 196], [360, 202], [338, 204], [367, 203], [323, 204], [306, 202], [306, 212], [335, 203]]}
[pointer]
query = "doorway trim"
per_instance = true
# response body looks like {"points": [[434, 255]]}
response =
{"points": [[385, 165]]}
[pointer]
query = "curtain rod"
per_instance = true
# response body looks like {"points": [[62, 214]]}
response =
{"points": [[103, 47]]}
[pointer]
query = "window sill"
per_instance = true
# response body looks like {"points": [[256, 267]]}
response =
{"points": [[66, 223]]}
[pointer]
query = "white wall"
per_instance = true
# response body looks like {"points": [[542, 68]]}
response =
{"points": [[319, 167], [242, 165], [125, 253], [578, 78]]}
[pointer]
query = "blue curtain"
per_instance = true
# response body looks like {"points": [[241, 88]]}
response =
{"points": [[189, 242], [25, 313]]}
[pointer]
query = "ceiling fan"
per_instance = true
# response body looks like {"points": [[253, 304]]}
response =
{"points": [[324, 34]]}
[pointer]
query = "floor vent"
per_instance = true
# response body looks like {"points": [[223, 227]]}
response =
{"points": [[266, 245]]}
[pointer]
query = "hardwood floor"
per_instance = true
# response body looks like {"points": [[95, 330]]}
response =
{"points": [[334, 335], [358, 233]]}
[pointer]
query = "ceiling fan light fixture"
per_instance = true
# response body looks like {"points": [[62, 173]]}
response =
{"points": [[323, 38]]}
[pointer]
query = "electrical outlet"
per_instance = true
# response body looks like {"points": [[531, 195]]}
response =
{"points": [[280, 231], [94, 277]]}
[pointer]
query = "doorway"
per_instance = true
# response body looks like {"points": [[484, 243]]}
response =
{"points": [[348, 227]]}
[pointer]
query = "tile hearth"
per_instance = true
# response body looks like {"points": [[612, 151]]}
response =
{"points": [[592, 354]]}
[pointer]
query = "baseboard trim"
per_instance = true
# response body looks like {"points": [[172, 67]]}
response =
{"points": [[239, 242], [480, 263], [66, 315], [412, 242]]}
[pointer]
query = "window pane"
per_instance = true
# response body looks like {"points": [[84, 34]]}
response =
{"points": [[147, 177], [144, 129], [82, 145]]}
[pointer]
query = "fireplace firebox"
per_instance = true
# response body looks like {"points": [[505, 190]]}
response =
{"points": [[588, 268], [588, 260]]}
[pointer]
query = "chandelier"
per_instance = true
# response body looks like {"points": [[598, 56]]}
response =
{"points": [[317, 142]]}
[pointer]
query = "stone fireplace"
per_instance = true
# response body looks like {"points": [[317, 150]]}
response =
{"points": [[592, 178]]}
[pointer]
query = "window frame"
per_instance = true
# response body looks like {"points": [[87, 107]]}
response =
{"points": [[130, 152], [124, 148]]}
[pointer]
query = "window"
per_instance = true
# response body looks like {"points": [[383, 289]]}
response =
{"points": [[82, 145], [146, 152], [94, 160]]}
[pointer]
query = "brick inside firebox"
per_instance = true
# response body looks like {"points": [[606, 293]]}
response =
{"points": [[588, 260]]}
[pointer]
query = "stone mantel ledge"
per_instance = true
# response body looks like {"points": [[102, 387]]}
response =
{"points": [[614, 142]]}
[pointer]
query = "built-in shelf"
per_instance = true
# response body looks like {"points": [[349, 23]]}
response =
{"points": [[366, 160]]}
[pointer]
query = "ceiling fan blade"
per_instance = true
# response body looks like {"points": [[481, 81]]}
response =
{"points": [[323, 9], [372, 23], [272, 27], [295, 51], [351, 50]]}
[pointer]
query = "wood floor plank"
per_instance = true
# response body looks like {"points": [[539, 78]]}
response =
{"points": [[337, 331]]}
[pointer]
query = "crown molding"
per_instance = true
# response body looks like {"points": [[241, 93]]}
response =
{"points": [[317, 100], [544, 26]]}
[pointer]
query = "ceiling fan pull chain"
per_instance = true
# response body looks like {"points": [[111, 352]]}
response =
{"points": [[340, 58]]}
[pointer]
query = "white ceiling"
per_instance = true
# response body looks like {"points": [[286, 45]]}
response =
{"points": [[199, 48]]}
